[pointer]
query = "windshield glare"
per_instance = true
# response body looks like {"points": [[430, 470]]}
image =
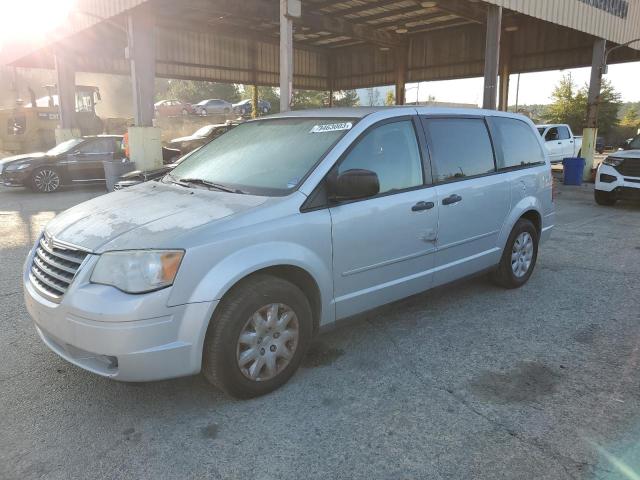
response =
{"points": [[65, 146], [267, 157], [204, 131]]}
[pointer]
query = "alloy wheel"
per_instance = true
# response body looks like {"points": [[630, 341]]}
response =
{"points": [[46, 180], [267, 342], [522, 254]]}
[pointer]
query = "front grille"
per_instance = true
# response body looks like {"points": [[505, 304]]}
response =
{"points": [[54, 267], [629, 168]]}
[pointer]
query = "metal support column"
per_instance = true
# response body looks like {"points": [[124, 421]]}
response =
{"points": [[590, 133], [144, 139], [492, 56], [289, 9], [505, 73], [401, 75], [66, 83]]}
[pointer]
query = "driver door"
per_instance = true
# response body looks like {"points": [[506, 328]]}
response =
{"points": [[85, 164], [383, 246], [553, 144]]}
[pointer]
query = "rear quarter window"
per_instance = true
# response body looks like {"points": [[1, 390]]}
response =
{"points": [[517, 143]]}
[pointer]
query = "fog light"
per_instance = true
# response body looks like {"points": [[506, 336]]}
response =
{"points": [[604, 178]]}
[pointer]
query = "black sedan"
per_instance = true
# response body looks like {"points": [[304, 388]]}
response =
{"points": [[73, 162]]}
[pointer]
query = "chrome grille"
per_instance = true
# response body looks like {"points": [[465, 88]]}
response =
{"points": [[54, 267]]}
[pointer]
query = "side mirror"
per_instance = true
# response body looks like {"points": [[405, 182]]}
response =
{"points": [[353, 184]]}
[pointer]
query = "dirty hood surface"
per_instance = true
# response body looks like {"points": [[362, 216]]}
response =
{"points": [[16, 158], [142, 216]]}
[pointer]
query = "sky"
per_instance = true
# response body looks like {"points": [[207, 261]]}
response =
{"points": [[535, 88]]}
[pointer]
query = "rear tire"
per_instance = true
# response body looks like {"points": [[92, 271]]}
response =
{"points": [[45, 180], [245, 351], [519, 256], [606, 199]]}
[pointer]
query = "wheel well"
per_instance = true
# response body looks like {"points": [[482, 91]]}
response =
{"points": [[303, 280], [535, 218]]}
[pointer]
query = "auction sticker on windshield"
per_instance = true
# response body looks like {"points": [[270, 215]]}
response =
{"points": [[331, 127]]}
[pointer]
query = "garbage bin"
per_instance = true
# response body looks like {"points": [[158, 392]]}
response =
{"points": [[573, 170], [114, 169]]}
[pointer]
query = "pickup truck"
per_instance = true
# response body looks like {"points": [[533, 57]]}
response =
{"points": [[560, 141]]}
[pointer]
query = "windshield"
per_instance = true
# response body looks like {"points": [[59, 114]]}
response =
{"points": [[204, 131], [65, 146], [541, 130], [268, 157]]}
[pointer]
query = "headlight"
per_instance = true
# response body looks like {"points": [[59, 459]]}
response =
{"points": [[613, 161], [13, 167], [137, 271]]}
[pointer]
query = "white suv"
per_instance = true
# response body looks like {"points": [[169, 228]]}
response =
{"points": [[618, 178]]}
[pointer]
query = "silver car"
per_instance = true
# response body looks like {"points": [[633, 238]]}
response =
{"points": [[213, 106], [233, 262]]}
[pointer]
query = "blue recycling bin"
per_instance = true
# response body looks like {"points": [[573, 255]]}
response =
{"points": [[573, 170]]}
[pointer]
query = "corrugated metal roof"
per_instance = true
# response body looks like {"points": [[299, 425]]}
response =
{"points": [[614, 20]]}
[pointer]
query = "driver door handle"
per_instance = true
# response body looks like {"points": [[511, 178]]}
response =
{"points": [[420, 206], [451, 199]]}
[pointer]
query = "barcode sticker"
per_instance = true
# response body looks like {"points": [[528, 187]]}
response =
{"points": [[331, 127]]}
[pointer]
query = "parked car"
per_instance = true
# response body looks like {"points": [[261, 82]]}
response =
{"points": [[76, 161], [172, 108], [232, 262], [245, 107], [200, 137], [618, 178], [140, 176], [213, 107], [560, 141], [631, 143]]}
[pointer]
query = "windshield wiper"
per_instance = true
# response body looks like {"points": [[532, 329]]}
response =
{"points": [[208, 184]]}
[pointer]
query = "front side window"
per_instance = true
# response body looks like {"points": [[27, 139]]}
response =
{"points": [[266, 157], [65, 146], [635, 143], [552, 135], [518, 142], [460, 148], [391, 151]]}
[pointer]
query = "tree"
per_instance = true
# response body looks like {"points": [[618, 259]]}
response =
{"points": [[193, 91], [390, 99], [346, 98], [304, 99], [267, 94], [631, 118], [373, 97], [570, 105]]}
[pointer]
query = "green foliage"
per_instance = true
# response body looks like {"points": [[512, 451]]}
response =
{"points": [[267, 94], [390, 99], [631, 117], [346, 98], [305, 99], [193, 91], [569, 105]]}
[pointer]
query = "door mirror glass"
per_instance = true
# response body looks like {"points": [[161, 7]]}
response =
{"points": [[354, 184]]}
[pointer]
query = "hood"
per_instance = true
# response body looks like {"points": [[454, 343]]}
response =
{"points": [[17, 158], [634, 154], [149, 215]]}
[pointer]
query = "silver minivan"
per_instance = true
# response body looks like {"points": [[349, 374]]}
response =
{"points": [[232, 263]]}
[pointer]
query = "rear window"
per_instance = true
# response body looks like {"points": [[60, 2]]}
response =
{"points": [[518, 143], [460, 148]]}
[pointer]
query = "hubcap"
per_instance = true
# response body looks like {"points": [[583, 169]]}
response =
{"points": [[522, 254], [267, 342], [47, 180]]}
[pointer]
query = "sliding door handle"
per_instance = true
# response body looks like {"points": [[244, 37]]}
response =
{"points": [[451, 199]]}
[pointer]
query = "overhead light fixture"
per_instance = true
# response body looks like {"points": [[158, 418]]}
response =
{"points": [[402, 30], [429, 4], [384, 49], [511, 28]]}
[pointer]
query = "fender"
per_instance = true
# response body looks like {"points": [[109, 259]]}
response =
{"points": [[233, 268], [526, 204]]}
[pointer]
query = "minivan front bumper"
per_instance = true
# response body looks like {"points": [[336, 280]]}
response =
{"points": [[121, 336]]}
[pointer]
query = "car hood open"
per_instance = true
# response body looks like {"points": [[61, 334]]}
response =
{"points": [[150, 215]]}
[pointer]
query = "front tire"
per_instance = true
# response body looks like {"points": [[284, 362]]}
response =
{"points": [[45, 180], [519, 256], [606, 199], [258, 336]]}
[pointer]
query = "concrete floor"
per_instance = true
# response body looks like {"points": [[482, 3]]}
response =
{"points": [[466, 382]]}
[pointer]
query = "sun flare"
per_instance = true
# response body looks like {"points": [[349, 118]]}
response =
{"points": [[27, 20]]}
